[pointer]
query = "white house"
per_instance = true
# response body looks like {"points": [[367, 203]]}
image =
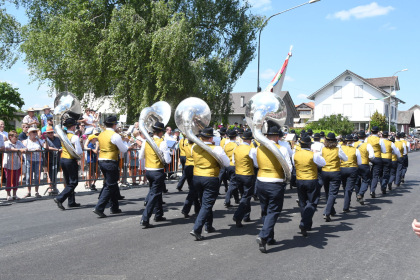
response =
{"points": [[357, 98]]}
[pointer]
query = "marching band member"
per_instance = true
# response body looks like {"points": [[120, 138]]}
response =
{"points": [[307, 163], [316, 147], [390, 149], [223, 174], [349, 170], [322, 134], [367, 154], [110, 146], [183, 147], [405, 156], [243, 160], [230, 146], [331, 174], [206, 181], [394, 164], [400, 166], [155, 174], [379, 148], [192, 197], [69, 167], [271, 186]]}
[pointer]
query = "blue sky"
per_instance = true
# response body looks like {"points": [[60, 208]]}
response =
{"points": [[370, 38]]}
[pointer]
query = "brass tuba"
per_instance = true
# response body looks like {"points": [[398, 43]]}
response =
{"points": [[66, 105], [264, 107], [160, 111], [192, 115]]}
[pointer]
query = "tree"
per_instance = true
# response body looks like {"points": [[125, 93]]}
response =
{"points": [[337, 123], [142, 51], [10, 102], [379, 120], [9, 38]]}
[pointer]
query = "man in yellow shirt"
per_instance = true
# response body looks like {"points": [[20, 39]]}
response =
{"points": [[230, 146]]}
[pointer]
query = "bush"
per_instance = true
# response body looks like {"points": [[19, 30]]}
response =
{"points": [[338, 124]]}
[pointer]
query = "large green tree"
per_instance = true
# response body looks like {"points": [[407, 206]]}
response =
{"points": [[141, 51], [337, 123], [10, 102], [9, 37], [379, 120]]}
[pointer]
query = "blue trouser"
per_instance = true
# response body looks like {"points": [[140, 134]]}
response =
{"points": [[244, 208], [320, 182], [308, 193], [208, 190], [376, 172], [348, 178], [110, 190], [32, 168], [293, 177], [399, 170], [393, 172], [271, 199], [332, 182], [254, 182], [156, 180], [386, 170], [181, 182], [233, 187], [223, 178], [364, 173], [71, 179], [192, 197], [405, 166]]}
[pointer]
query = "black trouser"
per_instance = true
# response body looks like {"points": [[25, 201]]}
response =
{"points": [[233, 188], [181, 182], [246, 182], [156, 180], [110, 190], [348, 179], [192, 197], [376, 172], [393, 173], [308, 193], [71, 179], [386, 172]]}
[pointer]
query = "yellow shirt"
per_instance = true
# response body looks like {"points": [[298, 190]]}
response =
{"points": [[331, 157], [400, 146], [269, 166], [229, 148], [374, 141], [306, 169], [364, 154], [183, 145], [65, 153], [351, 155], [188, 155], [204, 164], [388, 154], [151, 158], [107, 149], [244, 165], [222, 142]]}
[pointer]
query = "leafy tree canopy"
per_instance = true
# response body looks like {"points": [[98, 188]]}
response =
{"points": [[10, 102], [9, 37], [379, 120], [337, 123], [141, 51]]}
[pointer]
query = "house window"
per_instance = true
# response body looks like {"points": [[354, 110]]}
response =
{"points": [[347, 110], [326, 109], [242, 101], [348, 78], [369, 107], [337, 92], [358, 91], [305, 112]]}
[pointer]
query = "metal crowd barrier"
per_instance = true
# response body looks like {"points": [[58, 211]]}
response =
{"points": [[33, 164]]}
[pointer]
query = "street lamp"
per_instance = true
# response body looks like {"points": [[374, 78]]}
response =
{"points": [[390, 98], [259, 35]]}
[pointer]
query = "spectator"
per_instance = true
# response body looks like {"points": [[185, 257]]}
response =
{"points": [[49, 124], [135, 157], [168, 135], [53, 145], [33, 161], [30, 118], [87, 120], [92, 148], [96, 117], [47, 114], [3, 133], [24, 134], [12, 164]]}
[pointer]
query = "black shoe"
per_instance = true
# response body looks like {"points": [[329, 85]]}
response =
{"points": [[197, 236], [384, 192], [390, 186], [262, 245], [327, 218], [297, 201], [227, 205], [398, 184], [372, 195], [145, 203], [238, 223], [100, 214], [303, 231], [236, 201], [210, 230], [256, 198], [163, 202], [359, 199], [165, 191], [402, 180], [159, 219], [346, 210], [74, 205], [246, 220], [179, 189], [185, 214], [59, 204], [226, 189], [146, 224], [272, 242], [93, 188], [121, 197], [116, 211]]}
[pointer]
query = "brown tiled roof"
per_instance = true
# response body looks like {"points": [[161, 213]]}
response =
{"points": [[383, 81], [404, 117]]}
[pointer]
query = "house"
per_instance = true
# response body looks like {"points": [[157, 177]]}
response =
{"points": [[240, 99], [306, 112], [409, 120], [357, 98]]}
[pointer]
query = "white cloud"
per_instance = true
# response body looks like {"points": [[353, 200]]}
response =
{"points": [[268, 74], [289, 79], [302, 96], [359, 12], [263, 5]]}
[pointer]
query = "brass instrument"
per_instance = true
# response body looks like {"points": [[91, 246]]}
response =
{"points": [[160, 111], [266, 107], [191, 115], [66, 105]]}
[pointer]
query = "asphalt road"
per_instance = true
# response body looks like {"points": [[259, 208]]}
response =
{"points": [[374, 241]]}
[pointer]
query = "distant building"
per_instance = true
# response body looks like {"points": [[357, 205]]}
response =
{"points": [[409, 121], [357, 98], [240, 99], [306, 113]]}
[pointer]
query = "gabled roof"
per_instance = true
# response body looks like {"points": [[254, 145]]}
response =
{"points": [[414, 107], [348, 72], [384, 82], [310, 105], [404, 117]]}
